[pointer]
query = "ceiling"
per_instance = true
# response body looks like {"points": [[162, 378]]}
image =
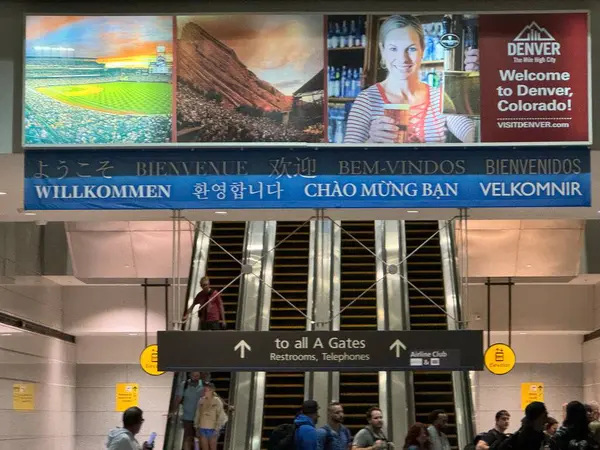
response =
{"points": [[11, 207]]}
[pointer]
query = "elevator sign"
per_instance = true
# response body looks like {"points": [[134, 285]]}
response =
{"points": [[320, 350], [500, 359]]}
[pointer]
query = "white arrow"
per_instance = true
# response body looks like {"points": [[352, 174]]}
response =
{"points": [[242, 346], [397, 345]]}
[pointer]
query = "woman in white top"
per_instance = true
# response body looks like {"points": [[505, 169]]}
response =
{"points": [[402, 44]]}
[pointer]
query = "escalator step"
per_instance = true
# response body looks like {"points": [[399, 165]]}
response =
{"points": [[358, 390]]}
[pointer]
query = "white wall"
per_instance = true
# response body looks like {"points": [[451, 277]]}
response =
{"points": [[535, 307], [591, 357], [102, 362], [104, 319], [112, 309], [32, 298], [49, 364]]}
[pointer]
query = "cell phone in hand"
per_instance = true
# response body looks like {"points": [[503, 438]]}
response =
{"points": [[151, 439]]}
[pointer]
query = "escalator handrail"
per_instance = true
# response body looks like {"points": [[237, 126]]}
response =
{"points": [[174, 421], [449, 259]]}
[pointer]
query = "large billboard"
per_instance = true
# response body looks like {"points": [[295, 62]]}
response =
{"points": [[354, 79]]}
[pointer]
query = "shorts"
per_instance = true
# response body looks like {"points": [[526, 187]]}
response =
{"points": [[207, 433], [189, 431], [211, 326]]}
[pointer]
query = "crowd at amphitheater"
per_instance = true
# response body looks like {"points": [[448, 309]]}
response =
{"points": [[48, 121], [203, 120]]}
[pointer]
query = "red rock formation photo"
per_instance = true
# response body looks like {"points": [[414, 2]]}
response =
{"points": [[207, 64]]}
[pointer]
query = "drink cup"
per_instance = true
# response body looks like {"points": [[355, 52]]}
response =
{"points": [[400, 114]]}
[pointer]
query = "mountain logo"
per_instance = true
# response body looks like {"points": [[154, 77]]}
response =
{"points": [[533, 32], [534, 41]]}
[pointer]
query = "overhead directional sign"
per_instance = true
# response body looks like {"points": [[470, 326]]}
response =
{"points": [[320, 350]]}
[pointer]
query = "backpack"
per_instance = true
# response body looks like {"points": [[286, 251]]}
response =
{"points": [[497, 438], [283, 437]]}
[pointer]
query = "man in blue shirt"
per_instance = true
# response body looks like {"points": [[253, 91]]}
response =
{"points": [[188, 395], [334, 435], [306, 433]]}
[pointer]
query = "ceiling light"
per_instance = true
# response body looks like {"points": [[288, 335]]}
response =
{"points": [[133, 334], [528, 266], [2, 193], [413, 211], [6, 334], [29, 214], [220, 212]]}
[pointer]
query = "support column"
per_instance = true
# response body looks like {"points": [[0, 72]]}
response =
{"points": [[395, 388], [318, 385]]}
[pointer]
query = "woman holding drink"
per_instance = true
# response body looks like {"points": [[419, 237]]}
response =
{"points": [[403, 109]]}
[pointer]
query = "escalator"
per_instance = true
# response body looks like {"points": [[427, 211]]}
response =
{"points": [[284, 392], [221, 269], [358, 390], [432, 390]]}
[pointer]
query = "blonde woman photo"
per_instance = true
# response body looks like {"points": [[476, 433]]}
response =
{"points": [[402, 46]]}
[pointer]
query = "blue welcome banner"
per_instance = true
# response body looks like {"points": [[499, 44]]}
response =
{"points": [[300, 177]]}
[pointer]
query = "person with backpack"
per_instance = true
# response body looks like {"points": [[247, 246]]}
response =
{"points": [[188, 395], [372, 436], [531, 435], [334, 435], [302, 434], [493, 438]]}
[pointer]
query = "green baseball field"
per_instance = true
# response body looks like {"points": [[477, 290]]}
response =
{"points": [[116, 98]]}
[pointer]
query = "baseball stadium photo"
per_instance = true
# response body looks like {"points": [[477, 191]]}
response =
{"points": [[98, 80]]}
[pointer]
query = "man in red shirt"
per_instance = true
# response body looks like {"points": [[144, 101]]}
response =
{"points": [[212, 313]]}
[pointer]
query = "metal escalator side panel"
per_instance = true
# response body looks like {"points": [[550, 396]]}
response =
{"points": [[197, 268], [317, 384], [248, 387], [218, 246], [173, 432], [463, 402]]}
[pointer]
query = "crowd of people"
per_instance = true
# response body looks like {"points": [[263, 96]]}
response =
{"points": [[48, 121], [72, 81], [579, 430], [203, 120]]}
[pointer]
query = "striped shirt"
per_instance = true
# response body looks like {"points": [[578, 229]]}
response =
{"points": [[369, 105]]}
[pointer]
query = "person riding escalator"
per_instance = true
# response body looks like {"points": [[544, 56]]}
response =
{"points": [[212, 310]]}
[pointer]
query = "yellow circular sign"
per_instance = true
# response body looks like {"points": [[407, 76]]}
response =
{"points": [[149, 360], [500, 359]]}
